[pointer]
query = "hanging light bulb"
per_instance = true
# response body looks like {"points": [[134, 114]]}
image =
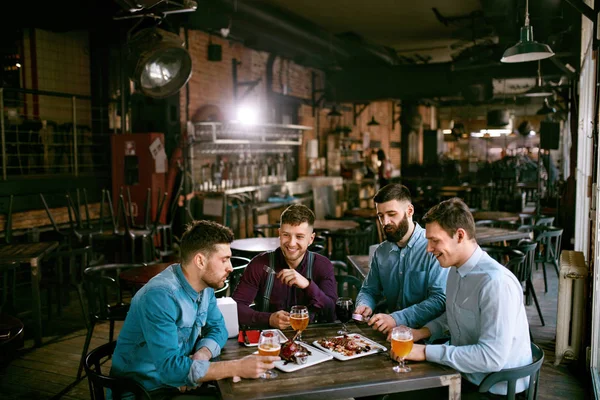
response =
{"points": [[526, 49], [373, 122], [334, 112]]}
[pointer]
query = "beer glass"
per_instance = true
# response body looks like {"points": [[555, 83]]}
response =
{"points": [[402, 343], [343, 310], [269, 345], [299, 319]]}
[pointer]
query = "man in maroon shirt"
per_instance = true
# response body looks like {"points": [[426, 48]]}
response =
{"points": [[301, 277]]}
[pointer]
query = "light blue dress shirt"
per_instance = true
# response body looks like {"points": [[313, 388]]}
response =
{"points": [[487, 322], [411, 280], [167, 322]]}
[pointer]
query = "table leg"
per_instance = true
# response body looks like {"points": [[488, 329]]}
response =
{"points": [[454, 388], [36, 304]]}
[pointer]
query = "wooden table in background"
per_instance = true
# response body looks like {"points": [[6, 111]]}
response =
{"points": [[365, 376], [138, 277], [361, 213], [32, 254], [487, 235], [496, 216], [334, 225], [360, 265]]}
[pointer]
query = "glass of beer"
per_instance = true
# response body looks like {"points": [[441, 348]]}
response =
{"points": [[402, 343], [343, 310], [299, 319], [269, 344]]}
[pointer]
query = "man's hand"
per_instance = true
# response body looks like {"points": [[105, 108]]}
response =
{"points": [[382, 322], [416, 354], [280, 320], [254, 366], [363, 310], [291, 277], [202, 354]]}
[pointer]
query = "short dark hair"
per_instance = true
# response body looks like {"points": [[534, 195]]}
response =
{"points": [[203, 236], [393, 191], [297, 214], [452, 214]]}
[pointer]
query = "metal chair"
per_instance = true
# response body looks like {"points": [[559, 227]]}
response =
{"points": [[239, 265], [318, 248], [548, 250], [223, 291], [528, 248], [105, 300], [344, 243], [348, 286], [486, 222], [98, 380], [511, 375], [11, 328]]}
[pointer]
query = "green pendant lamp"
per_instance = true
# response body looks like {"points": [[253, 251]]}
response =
{"points": [[527, 49]]}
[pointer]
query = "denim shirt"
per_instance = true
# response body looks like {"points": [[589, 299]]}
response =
{"points": [[487, 321], [168, 321], [411, 280]]}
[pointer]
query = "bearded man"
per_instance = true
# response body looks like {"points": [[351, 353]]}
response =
{"points": [[402, 271]]}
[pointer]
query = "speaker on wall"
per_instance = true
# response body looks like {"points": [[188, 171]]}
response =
{"points": [[549, 135]]}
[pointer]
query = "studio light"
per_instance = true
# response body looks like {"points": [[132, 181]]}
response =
{"points": [[526, 49], [160, 65]]}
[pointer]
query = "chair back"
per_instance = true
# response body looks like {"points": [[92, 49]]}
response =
{"points": [[265, 230], [8, 283], [511, 375], [348, 286], [550, 238], [528, 248], [239, 265], [103, 290], [486, 222], [545, 221], [347, 242], [223, 291], [99, 380], [318, 248]]}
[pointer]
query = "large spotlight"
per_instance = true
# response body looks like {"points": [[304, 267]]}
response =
{"points": [[161, 65]]}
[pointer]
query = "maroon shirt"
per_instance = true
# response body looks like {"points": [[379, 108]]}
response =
{"points": [[319, 296]]}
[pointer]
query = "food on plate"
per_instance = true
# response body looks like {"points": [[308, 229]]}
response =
{"points": [[294, 352], [348, 345]]}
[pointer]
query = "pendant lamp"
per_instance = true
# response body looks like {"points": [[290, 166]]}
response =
{"points": [[546, 109], [334, 112], [538, 90], [373, 122], [527, 49]]}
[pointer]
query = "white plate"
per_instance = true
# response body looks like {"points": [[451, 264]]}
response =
{"points": [[316, 357], [375, 348], [282, 339]]}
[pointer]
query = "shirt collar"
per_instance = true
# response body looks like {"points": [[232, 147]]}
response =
{"points": [[185, 284], [416, 235], [471, 263]]}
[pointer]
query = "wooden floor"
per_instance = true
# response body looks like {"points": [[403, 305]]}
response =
{"points": [[49, 372]]}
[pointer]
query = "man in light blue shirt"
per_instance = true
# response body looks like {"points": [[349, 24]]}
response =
{"points": [[402, 271], [485, 313], [174, 326]]}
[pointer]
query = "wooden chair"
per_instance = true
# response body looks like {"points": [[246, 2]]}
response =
{"points": [[99, 381], [511, 375]]}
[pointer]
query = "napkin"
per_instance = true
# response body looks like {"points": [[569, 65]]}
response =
{"points": [[252, 336]]}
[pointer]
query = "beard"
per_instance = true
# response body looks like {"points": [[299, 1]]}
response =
{"points": [[395, 233]]}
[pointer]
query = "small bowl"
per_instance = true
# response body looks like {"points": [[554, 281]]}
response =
{"points": [[301, 357]]}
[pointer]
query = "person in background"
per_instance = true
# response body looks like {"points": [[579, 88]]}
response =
{"points": [[410, 279], [485, 313], [174, 327], [302, 277], [385, 168]]}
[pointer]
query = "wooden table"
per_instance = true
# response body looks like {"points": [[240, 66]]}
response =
{"points": [[361, 213], [487, 235], [256, 245], [334, 224], [365, 376], [496, 216], [138, 277], [32, 254], [360, 265]]}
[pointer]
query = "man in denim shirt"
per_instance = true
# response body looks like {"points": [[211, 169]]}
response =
{"points": [[411, 279], [174, 326]]}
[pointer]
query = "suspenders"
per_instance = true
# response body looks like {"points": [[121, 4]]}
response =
{"points": [[271, 277]]}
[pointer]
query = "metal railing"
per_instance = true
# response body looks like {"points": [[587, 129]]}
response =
{"points": [[49, 133]]}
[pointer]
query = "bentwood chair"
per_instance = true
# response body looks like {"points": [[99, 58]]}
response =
{"points": [[528, 247], [511, 375], [548, 250], [105, 300], [239, 265], [100, 380]]}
